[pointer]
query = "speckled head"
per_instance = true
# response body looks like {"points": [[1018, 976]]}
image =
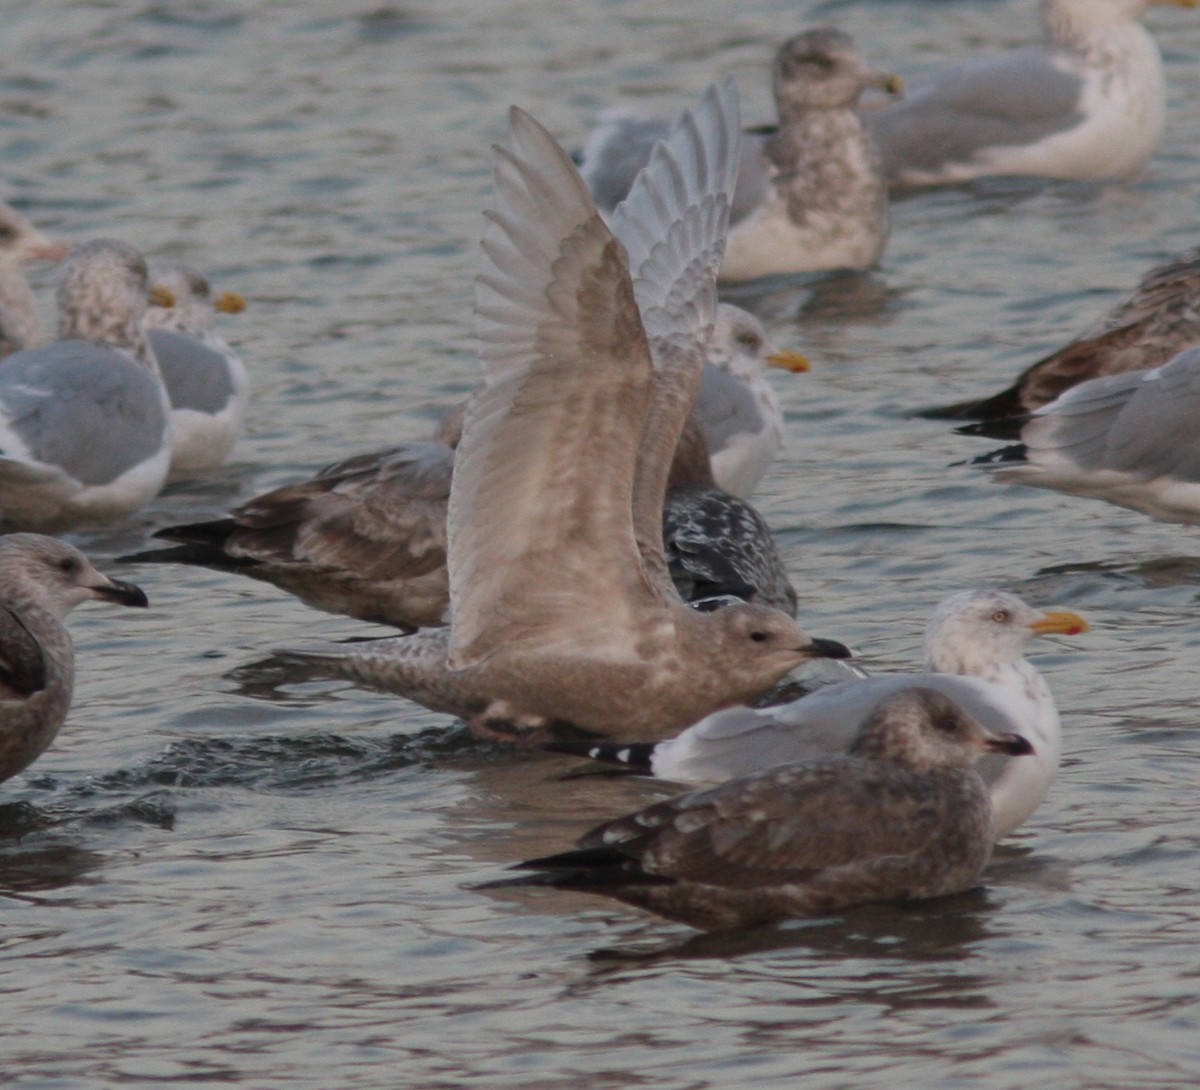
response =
{"points": [[922, 729], [102, 295], [823, 69]]}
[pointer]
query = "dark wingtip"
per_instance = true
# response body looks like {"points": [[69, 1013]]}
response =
{"points": [[828, 649], [123, 593]]}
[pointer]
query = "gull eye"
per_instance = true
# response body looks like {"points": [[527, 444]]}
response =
{"points": [[759, 637], [1000, 616], [752, 341], [67, 565], [7, 232]]}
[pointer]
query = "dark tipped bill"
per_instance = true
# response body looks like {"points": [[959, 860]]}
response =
{"points": [[828, 649], [124, 594], [1014, 745]]}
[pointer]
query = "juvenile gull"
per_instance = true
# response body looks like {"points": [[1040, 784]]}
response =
{"points": [[562, 607], [1158, 319], [809, 193], [41, 581], [205, 379], [901, 816], [85, 430], [974, 654], [1087, 102], [20, 241], [1129, 439], [366, 536]]}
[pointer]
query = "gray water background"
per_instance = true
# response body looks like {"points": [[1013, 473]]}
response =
{"points": [[208, 882]]}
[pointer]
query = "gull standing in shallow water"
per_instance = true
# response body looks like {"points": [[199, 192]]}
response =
{"points": [[1088, 102], [810, 193], [974, 654], [901, 816], [41, 581], [85, 430], [205, 379], [20, 241], [562, 607]]}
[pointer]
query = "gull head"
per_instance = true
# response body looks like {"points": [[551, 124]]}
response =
{"points": [[823, 69], [56, 576], [922, 729], [739, 346], [975, 630], [102, 293], [756, 645]]}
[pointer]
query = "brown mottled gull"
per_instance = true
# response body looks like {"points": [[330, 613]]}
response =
{"points": [[562, 607], [810, 193], [974, 654], [20, 241], [85, 431], [1159, 318], [1089, 101], [902, 816], [205, 379], [41, 581]]}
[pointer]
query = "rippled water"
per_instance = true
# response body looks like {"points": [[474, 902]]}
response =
{"points": [[210, 881]]}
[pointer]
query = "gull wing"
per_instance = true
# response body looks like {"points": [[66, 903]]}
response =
{"points": [[540, 526], [673, 226]]}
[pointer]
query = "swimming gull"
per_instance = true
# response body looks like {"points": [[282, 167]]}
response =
{"points": [[205, 379], [974, 654], [1145, 329], [562, 607], [366, 536], [20, 241], [41, 581], [901, 816], [810, 193], [1087, 102], [85, 431], [1129, 439]]}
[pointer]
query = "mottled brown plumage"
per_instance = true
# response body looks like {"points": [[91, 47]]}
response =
{"points": [[902, 816], [1159, 318]]}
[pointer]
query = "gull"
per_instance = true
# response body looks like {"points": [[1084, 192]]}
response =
{"points": [[974, 654], [901, 816], [205, 379], [85, 431], [810, 193], [562, 608], [1087, 102], [1128, 439], [41, 581], [1158, 319], [366, 536], [20, 241]]}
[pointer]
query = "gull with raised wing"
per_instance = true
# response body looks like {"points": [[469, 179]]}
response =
{"points": [[562, 607]]}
